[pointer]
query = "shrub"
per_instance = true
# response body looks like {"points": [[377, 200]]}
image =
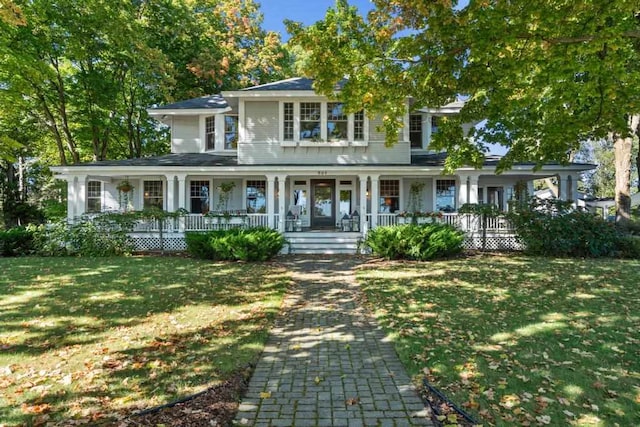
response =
{"points": [[418, 242], [254, 244], [551, 229], [16, 242], [98, 236], [629, 247]]}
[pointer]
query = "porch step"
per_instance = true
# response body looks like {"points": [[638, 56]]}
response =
{"points": [[323, 242]]}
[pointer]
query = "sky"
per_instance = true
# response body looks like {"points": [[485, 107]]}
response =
{"points": [[305, 11]]}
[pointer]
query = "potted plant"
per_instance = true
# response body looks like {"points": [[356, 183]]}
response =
{"points": [[124, 186]]}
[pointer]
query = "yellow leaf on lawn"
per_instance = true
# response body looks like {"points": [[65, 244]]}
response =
{"points": [[265, 394]]}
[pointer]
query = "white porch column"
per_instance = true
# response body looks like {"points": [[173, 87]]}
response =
{"points": [[531, 191], [363, 203], [573, 189], [171, 193], [375, 200], [463, 195], [282, 197], [71, 197], [562, 186], [81, 195], [271, 201], [182, 191], [473, 189]]}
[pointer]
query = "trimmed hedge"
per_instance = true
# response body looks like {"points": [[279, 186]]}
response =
{"points": [[416, 242], [236, 244]]}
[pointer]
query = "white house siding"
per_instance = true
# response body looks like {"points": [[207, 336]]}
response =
{"points": [[427, 193], [374, 134], [263, 152], [261, 122], [185, 134]]}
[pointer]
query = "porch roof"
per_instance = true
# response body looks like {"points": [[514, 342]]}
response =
{"points": [[436, 160], [208, 102]]}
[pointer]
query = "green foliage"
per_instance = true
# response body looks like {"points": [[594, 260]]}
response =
{"points": [[254, 244], [550, 228], [16, 241], [417, 242], [549, 76], [629, 247], [103, 235]]}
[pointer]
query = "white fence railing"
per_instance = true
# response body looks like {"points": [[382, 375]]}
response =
{"points": [[198, 222]]}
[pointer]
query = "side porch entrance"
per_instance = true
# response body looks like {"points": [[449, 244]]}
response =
{"points": [[323, 212]]}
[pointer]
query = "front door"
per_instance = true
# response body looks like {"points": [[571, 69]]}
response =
{"points": [[323, 203]]}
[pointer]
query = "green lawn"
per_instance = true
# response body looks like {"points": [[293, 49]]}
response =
{"points": [[519, 340], [89, 338]]}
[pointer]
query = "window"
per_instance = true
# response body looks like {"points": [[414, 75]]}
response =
{"points": [[199, 196], [434, 124], [210, 131], [230, 132], [415, 130], [256, 197], [94, 196], [345, 203], [310, 120], [446, 195], [358, 126], [389, 195], [337, 122], [288, 121], [152, 197]]}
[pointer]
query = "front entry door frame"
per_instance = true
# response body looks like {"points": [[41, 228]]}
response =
{"points": [[325, 218]]}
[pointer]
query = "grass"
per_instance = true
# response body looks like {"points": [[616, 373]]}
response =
{"points": [[91, 339], [519, 340]]}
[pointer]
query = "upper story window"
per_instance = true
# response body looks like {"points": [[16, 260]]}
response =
{"points": [[319, 122], [94, 196], [230, 132], [446, 195], [415, 130], [310, 115], [358, 126], [337, 122], [153, 195], [434, 124], [210, 132], [288, 121]]}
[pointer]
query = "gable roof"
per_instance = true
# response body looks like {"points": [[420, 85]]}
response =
{"points": [[292, 84], [213, 102]]}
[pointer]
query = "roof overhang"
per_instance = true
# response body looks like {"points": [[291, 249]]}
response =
{"points": [[159, 112]]}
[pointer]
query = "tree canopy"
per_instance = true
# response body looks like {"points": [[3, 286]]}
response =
{"points": [[540, 76]]}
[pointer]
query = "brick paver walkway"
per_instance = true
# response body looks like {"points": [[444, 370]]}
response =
{"points": [[326, 362]]}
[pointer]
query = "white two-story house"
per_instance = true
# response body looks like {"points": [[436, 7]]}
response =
{"points": [[279, 151]]}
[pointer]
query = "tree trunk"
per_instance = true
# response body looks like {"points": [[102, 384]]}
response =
{"points": [[622, 157]]}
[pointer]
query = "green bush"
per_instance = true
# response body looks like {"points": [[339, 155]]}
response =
{"points": [[253, 244], [103, 235], [417, 242], [16, 242], [629, 247], [549, 228]]}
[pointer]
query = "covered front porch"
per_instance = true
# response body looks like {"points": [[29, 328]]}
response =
{"points": [[329, 200]]}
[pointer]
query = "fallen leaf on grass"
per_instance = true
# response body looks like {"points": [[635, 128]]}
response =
{"points": [[265, 394]]}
